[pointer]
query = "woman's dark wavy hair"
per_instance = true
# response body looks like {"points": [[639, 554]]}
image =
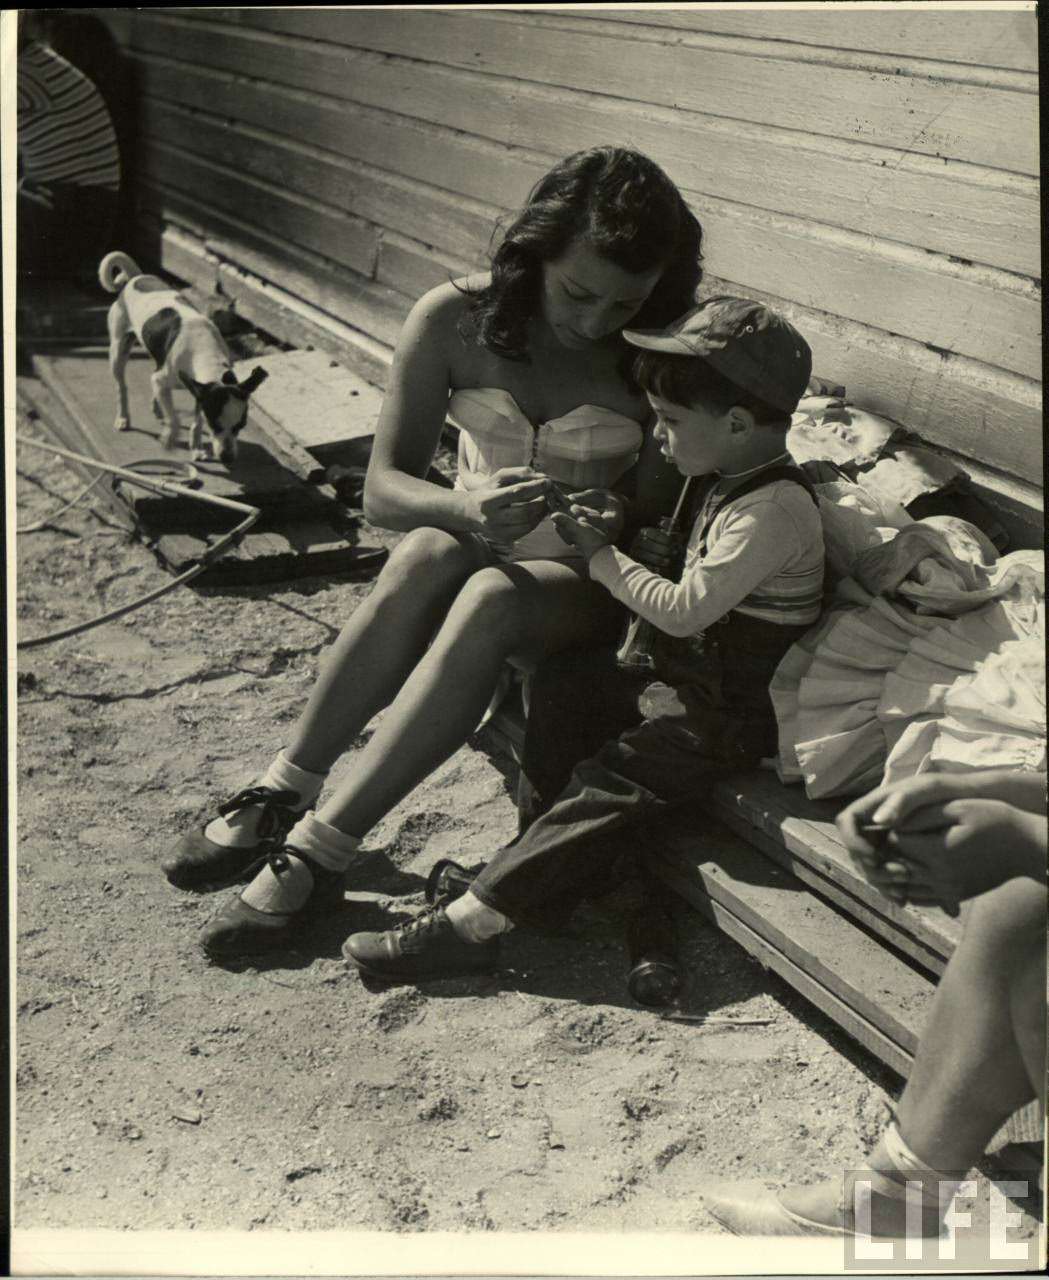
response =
{"points": [[626, 208]]}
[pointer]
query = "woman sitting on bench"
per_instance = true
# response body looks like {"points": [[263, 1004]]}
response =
{"points": [[528, 361]]}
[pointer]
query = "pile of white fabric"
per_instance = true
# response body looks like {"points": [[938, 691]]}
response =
{"points": [[931, 659]]}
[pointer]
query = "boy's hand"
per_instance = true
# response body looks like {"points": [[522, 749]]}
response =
{"points": [[582, 528], [606, 509], [656, 549]]}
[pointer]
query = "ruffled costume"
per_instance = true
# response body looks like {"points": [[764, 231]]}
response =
{"points": [[932, 657]]}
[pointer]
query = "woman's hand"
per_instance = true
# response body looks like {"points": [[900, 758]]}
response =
{"points": [[582, 528], [509, 504], [656, 549]]}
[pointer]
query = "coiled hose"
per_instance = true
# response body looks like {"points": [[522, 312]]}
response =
{"points": [[250, 513]]}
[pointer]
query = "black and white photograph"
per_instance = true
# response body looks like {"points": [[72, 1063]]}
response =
{"points": [[526, 663]]}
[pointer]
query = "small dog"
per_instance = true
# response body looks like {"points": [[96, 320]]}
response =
{"points": [[186, 347]]}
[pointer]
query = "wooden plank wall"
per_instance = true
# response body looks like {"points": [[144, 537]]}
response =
{"points": [[873, 172]]}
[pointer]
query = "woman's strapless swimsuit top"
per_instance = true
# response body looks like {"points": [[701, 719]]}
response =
{"points": [[589, 448]]}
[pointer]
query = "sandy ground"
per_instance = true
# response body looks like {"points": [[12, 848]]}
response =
{"points": [[156, 1090]]}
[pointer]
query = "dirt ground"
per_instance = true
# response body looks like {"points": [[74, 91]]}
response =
{"points": [[157, 1090]]}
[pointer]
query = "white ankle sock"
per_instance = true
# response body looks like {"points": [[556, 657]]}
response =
{"points": [[475, 922], [275, 894], [937, 1187], [289, 890], [240, 829], [324, 843]]}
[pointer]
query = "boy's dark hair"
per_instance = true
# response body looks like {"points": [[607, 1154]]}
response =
{"points": [[625, 207], [690, 380]]}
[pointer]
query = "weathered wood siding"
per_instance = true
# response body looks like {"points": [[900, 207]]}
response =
{"points": [[875, 173]]}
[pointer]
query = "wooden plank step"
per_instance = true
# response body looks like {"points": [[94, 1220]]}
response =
{"points": [[871, 992], [800, 834], [312, 398], [816, 935], [843, 968]]}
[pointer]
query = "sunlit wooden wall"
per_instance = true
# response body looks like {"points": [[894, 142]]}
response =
{"points": [[874, 173]]}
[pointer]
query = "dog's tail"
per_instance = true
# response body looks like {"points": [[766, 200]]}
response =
{"points": [[115, 270]]}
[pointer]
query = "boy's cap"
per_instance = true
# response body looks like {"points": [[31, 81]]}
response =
{"points": [[753, 347]]}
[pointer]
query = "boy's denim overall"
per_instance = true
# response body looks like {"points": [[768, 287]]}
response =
{"points": [[638, 749]]}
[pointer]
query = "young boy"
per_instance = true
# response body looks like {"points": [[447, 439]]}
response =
{"points": [[723, 381]]}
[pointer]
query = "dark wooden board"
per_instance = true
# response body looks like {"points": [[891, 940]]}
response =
{"points": [[57, 311], [84, 385], [300, 550]]}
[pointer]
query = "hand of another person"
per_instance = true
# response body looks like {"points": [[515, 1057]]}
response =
{"points": [[582, 529], [956, 849], [865, 823], [865, 826], [656, 549], [510, 504]]}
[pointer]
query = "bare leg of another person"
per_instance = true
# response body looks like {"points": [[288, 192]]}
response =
{"points": [[981, 1056]]}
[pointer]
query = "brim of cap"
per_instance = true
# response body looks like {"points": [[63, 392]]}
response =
{"points": [[659, 340]]}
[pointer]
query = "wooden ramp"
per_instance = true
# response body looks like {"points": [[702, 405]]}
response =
{"points": [[302, 531]]}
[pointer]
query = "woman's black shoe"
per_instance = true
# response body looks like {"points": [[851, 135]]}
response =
{"points": [[200, 863], [240, 929]]}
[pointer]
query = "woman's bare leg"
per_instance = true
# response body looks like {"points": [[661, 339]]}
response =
{"points": [[520, 611], [379, 646]]}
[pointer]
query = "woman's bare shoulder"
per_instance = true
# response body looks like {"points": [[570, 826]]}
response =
{"points": [[443, 306]]}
